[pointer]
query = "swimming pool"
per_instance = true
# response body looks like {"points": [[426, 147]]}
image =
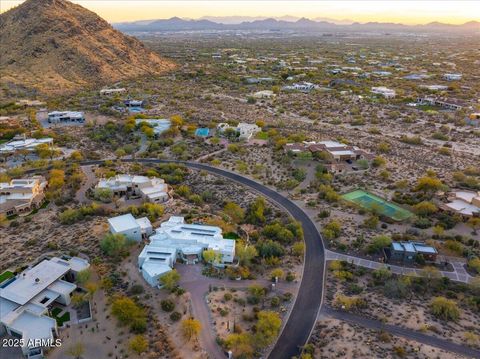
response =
{"points": [[202, 132], [371, 202]]}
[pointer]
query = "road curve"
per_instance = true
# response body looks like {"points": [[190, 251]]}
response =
{"points": [[303, 315]]}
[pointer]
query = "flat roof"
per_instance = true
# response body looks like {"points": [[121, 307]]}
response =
{"points": [[34, 280], [6, 307], [123, 223], [33, 326], [463, 207], [144, 222]]}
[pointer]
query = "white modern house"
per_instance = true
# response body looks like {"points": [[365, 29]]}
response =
{"points": [[452, 77], [465, 203], [22, 195], [301, 86], [384, 91], [244, 130], [264, 94], [176, 239], [131, 228], [65, 116], [151, 189], [26, 300], [22, 143], [112, 91]]}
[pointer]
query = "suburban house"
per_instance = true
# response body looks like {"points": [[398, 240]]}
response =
{"points": [[244, 130], [175, 239], [27, 299], [131, 228], [452, 77], [336, 151], [406, 252], [159, 125], [384, 91], [446, 103], [151, 189], [465, 203], [416, 77], [20, 142], [301, 86], [107, 92], [133, 103], [22, 195], [257, 80], [381, 73], [434, 87], [65, 116]]}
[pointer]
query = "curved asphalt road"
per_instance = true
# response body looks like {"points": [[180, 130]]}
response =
{"points": [[303, 315]]}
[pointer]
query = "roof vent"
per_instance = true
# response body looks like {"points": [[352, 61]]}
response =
{"points": [[37, 280]]}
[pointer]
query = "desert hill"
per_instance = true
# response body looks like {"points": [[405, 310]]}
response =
{"points": [[56, 46]]}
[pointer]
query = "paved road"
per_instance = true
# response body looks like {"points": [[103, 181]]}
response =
{"points": [[302, 318], [402, 332], [459, 273]]}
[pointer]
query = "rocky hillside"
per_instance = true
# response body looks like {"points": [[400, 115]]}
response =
{"points": [[55, 46]]}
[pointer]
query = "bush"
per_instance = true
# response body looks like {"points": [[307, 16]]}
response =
{"points": [[175, 316], [167, 305], [378, 243], [445, 309]]}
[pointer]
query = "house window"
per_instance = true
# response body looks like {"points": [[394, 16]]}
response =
{"points": [[44, 300]]}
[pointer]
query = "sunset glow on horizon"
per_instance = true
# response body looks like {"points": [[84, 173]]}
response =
{"points": [[406, 12]]}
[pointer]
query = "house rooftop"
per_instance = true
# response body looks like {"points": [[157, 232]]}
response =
{"points": [[123, 223], [34, 280]]}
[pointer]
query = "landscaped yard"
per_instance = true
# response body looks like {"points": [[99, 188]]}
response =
{"points": [[60, 320], [6, 275]]}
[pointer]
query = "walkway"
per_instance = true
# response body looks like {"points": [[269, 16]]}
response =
{"points": [[459, 273], [407, 333], [90, 180]]}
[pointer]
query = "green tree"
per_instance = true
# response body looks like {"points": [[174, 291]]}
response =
{"points": [[138, 344], [234, 211], [245, 253], [103, 194], [84, 276], [378, 243], [256, 211], [241, 345], [474, 264], [267, 328], [425, 208], [210, 256], [190, 328], [277, 273], [298, 249], [114, 245], [445, 309], [170, 279]]}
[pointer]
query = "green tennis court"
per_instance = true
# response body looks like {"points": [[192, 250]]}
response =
{"points": [[371, 202]]}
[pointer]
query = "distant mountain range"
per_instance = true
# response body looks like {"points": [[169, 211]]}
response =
{"points": [[287, 23]]}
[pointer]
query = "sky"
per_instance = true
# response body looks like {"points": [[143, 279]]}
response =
{"points": [[399, 11]]}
